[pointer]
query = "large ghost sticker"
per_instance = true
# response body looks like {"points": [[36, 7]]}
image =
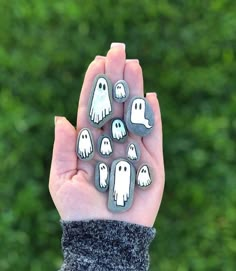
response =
{"points": [[140, 116], [101, 176], [105, 146], [120, 91], [118, 130], [121, 188], [143, 176], [133, 152], [100, 104], [84, 145]]}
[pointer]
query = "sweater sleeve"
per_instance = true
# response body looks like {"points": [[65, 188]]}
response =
{"points": [[105, 245]]}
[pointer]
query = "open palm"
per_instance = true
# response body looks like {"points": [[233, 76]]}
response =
{"points": [[71, 181]]}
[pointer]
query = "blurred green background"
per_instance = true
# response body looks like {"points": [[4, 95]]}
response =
{"points": [[187, 50]]}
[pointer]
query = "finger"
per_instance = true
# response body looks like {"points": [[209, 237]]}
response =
{"points": [[64, 159], [133, 75], [153, 142], [96, 67], [114, 69]]}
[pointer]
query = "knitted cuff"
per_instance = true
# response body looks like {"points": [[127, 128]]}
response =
{"points": [[105, 245]]}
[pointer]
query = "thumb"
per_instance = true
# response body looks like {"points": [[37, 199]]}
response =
{"points": [[64, 159]]}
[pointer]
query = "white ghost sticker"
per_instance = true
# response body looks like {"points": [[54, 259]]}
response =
{"points": [[118, 129], [138, 113], [122, 182], [101, 104], [132, 152], [84, 144], [144, 178], [103, 175], [105, 147], [120, 91]]}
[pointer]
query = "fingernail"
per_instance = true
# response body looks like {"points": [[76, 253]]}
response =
{"points": [[57, 119], [100, 57], [132, 60], [151, 93], [118, 44]]}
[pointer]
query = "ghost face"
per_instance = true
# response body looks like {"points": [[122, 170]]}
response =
{"points": [[100, 106], [103, 175], [132, 152], [120, 91], [122, 181], [84, 145], [118, 129], [138, 113], [105, 147], [144, 178]]}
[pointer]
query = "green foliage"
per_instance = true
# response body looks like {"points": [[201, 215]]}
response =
{"points": [[187, 51]]}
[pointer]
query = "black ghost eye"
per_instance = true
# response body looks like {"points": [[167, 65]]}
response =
{"points": [[118, 87], [100, 85], [120, 168], [116, 125], [83, 136], [140, 106], [119, 125], [142, 170], [86, 136], [104, 87], [125, 168], [136, 106]]}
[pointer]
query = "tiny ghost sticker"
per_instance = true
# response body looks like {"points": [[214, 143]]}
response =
{"points": [[121, 188], [84, 145], [100, 104], [133, 152], [140, 116], [101, 176], [105, 146], [120, 91], [143, 176], [118, 130]]}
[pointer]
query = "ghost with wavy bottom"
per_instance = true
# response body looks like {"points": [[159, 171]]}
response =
{"points": [[105, 148], [132, 152], [120, 91], [118, 130], [144, 178], [84, 147], [103, 175], [101, 103]]}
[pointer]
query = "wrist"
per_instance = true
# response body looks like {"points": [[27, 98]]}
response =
{"points": [[108, 244]]}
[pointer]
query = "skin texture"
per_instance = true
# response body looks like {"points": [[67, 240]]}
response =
{"points": [[71, 181]]}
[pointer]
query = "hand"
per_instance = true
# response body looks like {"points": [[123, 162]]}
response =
{"points": [[71, 181]]}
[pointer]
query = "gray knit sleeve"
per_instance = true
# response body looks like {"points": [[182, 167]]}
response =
{"points": [[105, 245]]}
